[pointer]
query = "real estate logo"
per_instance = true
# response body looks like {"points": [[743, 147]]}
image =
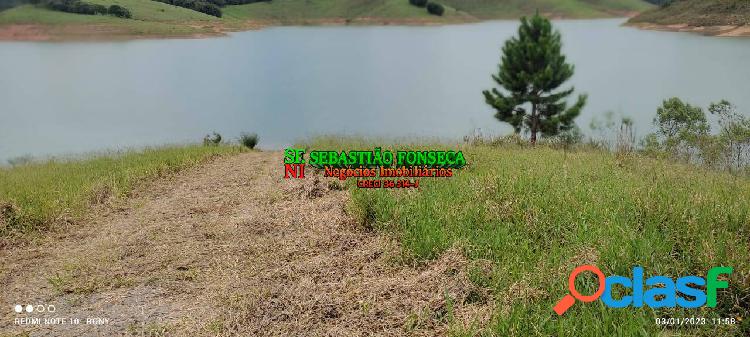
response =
{"points": [[376, 168], [662, 291]]}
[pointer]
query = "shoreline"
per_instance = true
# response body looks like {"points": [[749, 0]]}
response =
{"points": [[715, 31], [31, 32], [102, 33]]}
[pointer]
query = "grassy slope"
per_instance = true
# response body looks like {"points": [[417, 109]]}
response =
{"points": [[532, 215], [483, 9], [490, 9], [294, 10], [42, 192], [699, 13], [149, 18], [149, 10]]}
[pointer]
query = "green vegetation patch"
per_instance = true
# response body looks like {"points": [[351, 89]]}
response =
{"points": [[36, 194], [287, 10], [144, 22], [144, 13], [534, 214], [290, 10], [506, 9], [149, 10]]}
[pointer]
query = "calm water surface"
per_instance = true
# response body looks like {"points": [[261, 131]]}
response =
{"points": [[288, 83]]}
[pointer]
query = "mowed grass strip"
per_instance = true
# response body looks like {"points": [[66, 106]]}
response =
{"points": [[528, 216], [36, 194]]}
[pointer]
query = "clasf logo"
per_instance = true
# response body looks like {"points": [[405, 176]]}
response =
{"points": [[655, 297]]}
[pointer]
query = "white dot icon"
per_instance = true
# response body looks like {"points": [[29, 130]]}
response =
{"points": [[19, 308], [29, 308]]}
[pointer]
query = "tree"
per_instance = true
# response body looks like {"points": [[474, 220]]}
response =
{"points": [[435, 8], [678, 120], [119, 11], [734, 134], [100, 9], [531, 68], [683, 127]]}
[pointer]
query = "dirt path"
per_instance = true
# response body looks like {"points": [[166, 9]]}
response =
{"points": [[230, 248]]}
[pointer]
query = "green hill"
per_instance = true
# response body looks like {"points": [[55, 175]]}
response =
{"points": [[699, 13], [493, 9], [296, 10], [151, 18], [399, 9]]}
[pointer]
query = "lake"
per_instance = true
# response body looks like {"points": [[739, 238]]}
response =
{"points": [[287, 83]]}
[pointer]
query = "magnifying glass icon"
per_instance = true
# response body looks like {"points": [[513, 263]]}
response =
{"points": [[566, 302]]}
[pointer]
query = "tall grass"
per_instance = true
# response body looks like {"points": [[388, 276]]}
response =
{"points": [[537, 213], [36, 194]]}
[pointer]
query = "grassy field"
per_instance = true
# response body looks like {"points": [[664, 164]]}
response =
{"points": [[528, 217], [148, 20], [42, 192], [699, 13]]}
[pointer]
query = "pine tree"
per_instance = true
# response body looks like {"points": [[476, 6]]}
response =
{"points": [[531, 68]]}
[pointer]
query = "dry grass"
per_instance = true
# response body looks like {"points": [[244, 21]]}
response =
{"points": [[230, 248]]}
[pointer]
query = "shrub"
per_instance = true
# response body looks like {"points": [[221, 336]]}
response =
{"points": [[196, 5], [21, 160], [100, 9], [733, 138], [222, 3], [207, 8], [681, 126], [418, 3], [249, 140], [71, 6], [212, 140], [119, 11], [80, 7], [243, 2], [435, 8]]}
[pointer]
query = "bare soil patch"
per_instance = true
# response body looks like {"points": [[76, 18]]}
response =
{"points": [[725, 31], [23, 33], [231, 248]]}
